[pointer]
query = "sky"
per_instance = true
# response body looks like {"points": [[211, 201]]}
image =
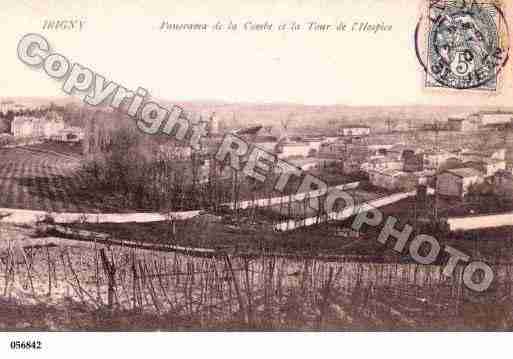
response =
{"points": [[121, 40]]}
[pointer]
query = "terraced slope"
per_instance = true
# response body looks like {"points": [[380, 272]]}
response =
{"points": [[35, 177]]}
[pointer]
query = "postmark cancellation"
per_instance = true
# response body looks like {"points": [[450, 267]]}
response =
{"points": [[462, 45]]}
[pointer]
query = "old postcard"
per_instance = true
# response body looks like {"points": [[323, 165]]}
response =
{"points": [[255, 166]]}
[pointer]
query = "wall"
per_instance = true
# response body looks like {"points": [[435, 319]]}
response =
{"points": [[264, 202], [449, 185], [344, 214], [482, 221]]}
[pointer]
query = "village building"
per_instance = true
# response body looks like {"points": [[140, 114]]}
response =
{"points": [[307, 164], [354, 130], [384, 179], [351, 165], [381, 164], [356, 150], [393, 180], [495, 118], [413, 162], [450, 163], [488, 166], [8, 105], [503, 184], [330, 139], [425, 177], [51, 128], [37, 127], [456, 182], [332, 149], [5, 125], [380, 148], [294, 149], [23, 126], [496, 153], [499, 153], [268, 146], [213, 125], [436, 159], [465, 124], [353, 158]]}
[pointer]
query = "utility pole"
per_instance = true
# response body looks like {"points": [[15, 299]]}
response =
{"points": [[437, 149]]}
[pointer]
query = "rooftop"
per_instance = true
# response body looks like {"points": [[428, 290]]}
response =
{"points": [[354, 126], [295, 144], [498, 112], [486, 160], [390, 172], [402, 147], [464, 172]]}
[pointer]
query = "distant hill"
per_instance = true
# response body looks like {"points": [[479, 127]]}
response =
{"points": [[301, 116], [236, 115], [41, 101]]}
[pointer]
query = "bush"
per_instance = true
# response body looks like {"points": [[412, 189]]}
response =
{"points": [[139, 173]]}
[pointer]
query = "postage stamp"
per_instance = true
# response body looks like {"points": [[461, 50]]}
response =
{"points": [[465, 45]]}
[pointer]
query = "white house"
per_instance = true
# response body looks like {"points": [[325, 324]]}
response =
{"points": [[456, 182], [24, 126], [495, 118], [393, 180], [37, 127], [496, 153], [294, 149], [354, 130], [381, 164]]}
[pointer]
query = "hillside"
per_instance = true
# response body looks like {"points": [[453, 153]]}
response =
{"points": [[301, 116]]}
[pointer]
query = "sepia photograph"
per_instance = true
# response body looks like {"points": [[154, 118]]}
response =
{"points": [[275, 166]]}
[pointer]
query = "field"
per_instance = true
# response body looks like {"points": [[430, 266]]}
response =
{"points": [[57, 284], [43, 177], [250, 278], [243, 234]]}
